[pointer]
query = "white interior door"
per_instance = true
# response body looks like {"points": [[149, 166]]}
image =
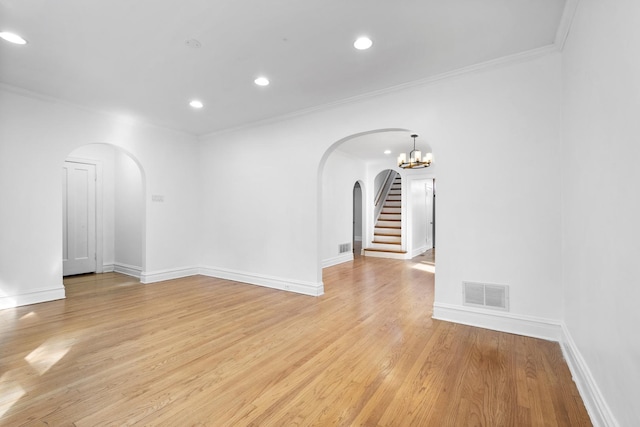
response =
{"points": [[429, 211], [78, 218]]}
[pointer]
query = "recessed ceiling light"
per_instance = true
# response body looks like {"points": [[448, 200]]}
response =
{"points": [[12, 38], [362, 43], [387, 151], [196, 104], [261, 81]]}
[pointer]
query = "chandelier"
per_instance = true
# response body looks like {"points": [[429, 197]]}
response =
{"points": [[415, 158]]}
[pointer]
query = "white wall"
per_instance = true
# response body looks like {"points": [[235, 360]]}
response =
{"points": [[259, 195], [129, 213], [495, 137], [36, 135], [340, 173], [498, 216], [601, 205]]}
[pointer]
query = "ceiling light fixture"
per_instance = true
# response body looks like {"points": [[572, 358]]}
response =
{"points": [[415, 158], [387, 151], [363, 43], [12, 38], [196, 104], [261, 81]]}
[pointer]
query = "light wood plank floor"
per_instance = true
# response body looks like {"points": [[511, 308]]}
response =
{"points": [[203, 351]]}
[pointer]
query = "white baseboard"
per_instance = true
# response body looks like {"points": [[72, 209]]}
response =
{"points": [[597, 407], [422, 249], [33, 297], [357, 238], [108, 268], [306, 288], [346, 257], [129, 270], [160, 275], [530, 326]]}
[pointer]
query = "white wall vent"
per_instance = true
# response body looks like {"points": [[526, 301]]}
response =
{"points": [[486, 296], [344, 247]]}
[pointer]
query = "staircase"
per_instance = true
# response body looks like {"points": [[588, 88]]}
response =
{"points": [[387, 234]]}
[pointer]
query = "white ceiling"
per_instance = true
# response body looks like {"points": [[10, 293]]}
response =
{"points": [[371, 147], [129, 57]]}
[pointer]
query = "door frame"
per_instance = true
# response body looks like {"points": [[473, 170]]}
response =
{"points": [[99, 224]]}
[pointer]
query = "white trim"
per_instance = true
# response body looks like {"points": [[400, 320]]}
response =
{"points": [[33, 297], [536, 327], [329, 262], [108, 268], [565, 23], [129, 270], [306, 288], [109, 115], [161, 275], [597, 407], [419, 251], [491, 64], [357, 238]]}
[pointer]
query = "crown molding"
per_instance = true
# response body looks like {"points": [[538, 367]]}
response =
{"points": [[565, 23], [561, 36], [427, 81], [107, 115]]}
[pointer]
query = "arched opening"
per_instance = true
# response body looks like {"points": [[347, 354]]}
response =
{"points": [[360, 158], [103, 224]]}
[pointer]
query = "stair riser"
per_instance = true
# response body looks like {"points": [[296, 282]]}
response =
{"points": [[385, 223], [387, 239], [393, 231], [392, 204], [387, 210], [384, 254], [389, 217], [385, 246]]}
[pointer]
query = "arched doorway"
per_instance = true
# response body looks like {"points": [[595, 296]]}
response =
{"points": [[103, 211], [358, 222], [359, 158]]}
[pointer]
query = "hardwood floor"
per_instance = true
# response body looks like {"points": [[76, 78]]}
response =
{"points": [[203, 351]]}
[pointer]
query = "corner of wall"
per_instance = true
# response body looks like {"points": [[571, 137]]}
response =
{"points": [[147, 277], [596, 406]]}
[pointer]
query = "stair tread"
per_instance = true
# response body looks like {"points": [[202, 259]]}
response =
{"points": [[387, 243]]}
